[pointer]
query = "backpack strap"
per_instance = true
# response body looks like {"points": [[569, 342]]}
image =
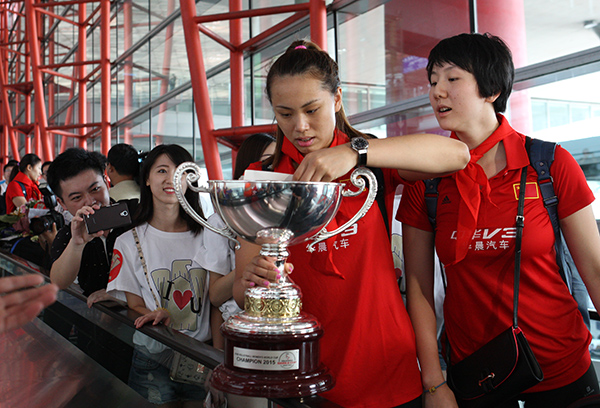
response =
{"points": [[380, 197], [541, 157], [431, 199], [23, 189]]}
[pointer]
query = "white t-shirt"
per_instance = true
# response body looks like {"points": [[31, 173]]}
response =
{"points": [[178, 264]]}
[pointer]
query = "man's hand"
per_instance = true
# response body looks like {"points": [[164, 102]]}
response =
{"points": [[21, 302], [79, 234]]}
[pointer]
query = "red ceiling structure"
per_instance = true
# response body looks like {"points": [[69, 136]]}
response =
{"points": [[44, 80], [29, 66]]}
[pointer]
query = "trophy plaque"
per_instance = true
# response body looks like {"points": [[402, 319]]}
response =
{"points": [[272, 347]]}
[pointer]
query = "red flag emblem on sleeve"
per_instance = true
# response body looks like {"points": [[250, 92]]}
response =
{"points": [[115, 266]]}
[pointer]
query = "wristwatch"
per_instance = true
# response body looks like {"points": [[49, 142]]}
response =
{"points": [[360, 145]]}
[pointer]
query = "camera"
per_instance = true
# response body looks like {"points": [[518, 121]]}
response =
{"points": [[107, 218], [44, 223]]}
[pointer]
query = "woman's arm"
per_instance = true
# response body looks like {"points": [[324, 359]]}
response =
{"points": [[220, 288], [216, 320], [19, 201], [418, 262], [582, 238], [157, 316], [416, 157]]}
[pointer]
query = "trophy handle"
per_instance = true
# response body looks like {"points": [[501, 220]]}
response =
{"points": [[359, 183], [192, 174]]}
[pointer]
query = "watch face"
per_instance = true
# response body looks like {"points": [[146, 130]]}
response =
{"points": [[358, 143]]}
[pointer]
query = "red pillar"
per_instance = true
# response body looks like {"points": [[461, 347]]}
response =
{"points": [[127, 68], [105, 74], [200, 89], [38, 86], [507, 21], [318, 23], [82, 71]]}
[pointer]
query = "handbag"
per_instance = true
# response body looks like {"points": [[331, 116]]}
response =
{"points": [[506, 366], [183, 368]]}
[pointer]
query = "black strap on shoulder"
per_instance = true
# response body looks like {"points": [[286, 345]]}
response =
{"points": [[541, 157], [380, 197], [431, 199], [23, 189]]}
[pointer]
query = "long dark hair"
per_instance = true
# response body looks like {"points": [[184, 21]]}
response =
{"points": [[250, 151], [28, 159], [145, 208], [305, 57]]}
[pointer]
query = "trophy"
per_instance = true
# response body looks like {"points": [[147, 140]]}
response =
{"points": [[272, 347]]}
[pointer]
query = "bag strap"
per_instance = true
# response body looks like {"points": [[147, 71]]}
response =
{"points": [[23, 189], [144, 266], [520, 222]]}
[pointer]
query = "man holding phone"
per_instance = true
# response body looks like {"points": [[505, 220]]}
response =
{"points": [[77, 178]]}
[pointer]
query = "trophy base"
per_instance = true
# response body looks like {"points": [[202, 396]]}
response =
{"points": [[272, 358], [276, 385]]}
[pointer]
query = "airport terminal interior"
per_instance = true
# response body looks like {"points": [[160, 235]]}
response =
{"points": [[91, 74]]}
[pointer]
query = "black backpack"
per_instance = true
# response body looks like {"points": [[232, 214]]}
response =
{"points": [[541, 157]]}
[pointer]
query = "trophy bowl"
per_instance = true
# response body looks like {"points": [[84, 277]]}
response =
{"points": [[272, 346]]}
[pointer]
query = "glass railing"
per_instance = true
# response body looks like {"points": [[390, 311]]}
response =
{"points": [[114, 352]]}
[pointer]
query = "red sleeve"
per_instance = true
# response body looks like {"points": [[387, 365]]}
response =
{"points": [[14, 190], [411, 210], [570, 184]]}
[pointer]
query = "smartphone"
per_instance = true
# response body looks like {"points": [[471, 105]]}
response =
{"points": [[106, 218]]}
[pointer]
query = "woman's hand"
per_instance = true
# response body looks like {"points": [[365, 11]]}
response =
{"points": [[156, 317], [327, 164], [215, 398], [261, 271]]}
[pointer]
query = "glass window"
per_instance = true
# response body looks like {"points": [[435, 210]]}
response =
{"points": [[395, 37]]}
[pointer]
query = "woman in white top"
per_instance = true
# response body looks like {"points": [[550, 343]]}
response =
{"points": [[181, 258]]}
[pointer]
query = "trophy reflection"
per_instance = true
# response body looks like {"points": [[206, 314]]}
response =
{"points": [[272, 347]]}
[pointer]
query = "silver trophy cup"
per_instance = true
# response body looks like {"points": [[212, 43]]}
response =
{"points": [[272, 347]]}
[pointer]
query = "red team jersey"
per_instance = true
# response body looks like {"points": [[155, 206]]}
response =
{"points": [[478, 304], [350, 285]]}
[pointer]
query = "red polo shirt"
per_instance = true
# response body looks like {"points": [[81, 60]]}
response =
{"points": [[478, 304], [14, 189]]}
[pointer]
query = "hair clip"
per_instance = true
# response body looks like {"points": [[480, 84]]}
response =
{"points": [[303, 47]]}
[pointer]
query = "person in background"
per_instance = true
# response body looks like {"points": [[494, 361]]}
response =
{"points": [[22, 299], [368, 342], [77, 178], [123, 168], [166, 254], [256, 147], [24, 186], [44, 176], [471, 77], [8, 168]]}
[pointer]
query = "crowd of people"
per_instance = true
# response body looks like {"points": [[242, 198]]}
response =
{"points": [[381, 353]]}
